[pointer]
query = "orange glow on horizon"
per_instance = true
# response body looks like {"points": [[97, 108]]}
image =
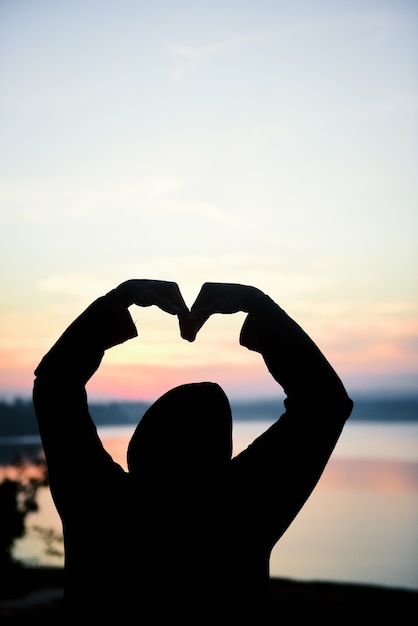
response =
{"points": [[370, 475], [147, 382], [368, 353]]}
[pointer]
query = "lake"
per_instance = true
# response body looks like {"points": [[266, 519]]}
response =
{"points": [[359, 525]]}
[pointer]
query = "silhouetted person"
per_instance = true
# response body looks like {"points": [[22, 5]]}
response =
{"points": [[185, 534]]}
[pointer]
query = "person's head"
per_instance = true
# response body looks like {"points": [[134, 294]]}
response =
{"points": [[187, 430]]}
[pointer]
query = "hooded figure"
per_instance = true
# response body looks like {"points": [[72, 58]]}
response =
{"points": [[186, 533], [188, 431]]}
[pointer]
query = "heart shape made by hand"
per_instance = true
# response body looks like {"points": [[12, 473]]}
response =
{"points": [[226, 298], [212, 298]]}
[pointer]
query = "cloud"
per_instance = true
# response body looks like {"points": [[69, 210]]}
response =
{"points": [[75, 284], [192, 56], [379, 109], [205, 210], [189, 270]]}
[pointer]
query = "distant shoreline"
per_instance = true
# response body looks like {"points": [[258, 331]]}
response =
{"points": [[17, 418]]}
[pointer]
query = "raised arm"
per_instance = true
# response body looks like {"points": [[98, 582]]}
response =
{"points": [[277, 473], [68, 434]]}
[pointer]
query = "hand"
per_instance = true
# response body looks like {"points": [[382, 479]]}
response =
{"points": [[164, 294], [219, 298]]}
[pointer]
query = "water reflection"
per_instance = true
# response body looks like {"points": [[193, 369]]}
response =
{"points": [[387, 476], [360, 524]]}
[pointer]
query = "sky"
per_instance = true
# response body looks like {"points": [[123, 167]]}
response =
{"points": [[266, 143]]}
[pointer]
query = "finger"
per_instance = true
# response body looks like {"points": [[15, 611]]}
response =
{"points": [[177, 297], [167, 296], [205, 296], [187, 330], [207, 303], [179, 307], [194, 324], [217, 298], [165, 304]]}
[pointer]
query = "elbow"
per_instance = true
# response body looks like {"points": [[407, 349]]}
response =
{"points": [[346, 408], [340, 406]]}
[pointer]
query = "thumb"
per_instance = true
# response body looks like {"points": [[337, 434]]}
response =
{"points": [[187, 330]]}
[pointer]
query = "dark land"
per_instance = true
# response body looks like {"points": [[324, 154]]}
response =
{"points": [[18, 418], [29, 594]]}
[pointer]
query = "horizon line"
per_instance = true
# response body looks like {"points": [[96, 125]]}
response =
{"points": [[376, 394]]}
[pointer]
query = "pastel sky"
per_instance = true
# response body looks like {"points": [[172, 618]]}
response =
{"points": [[268, 143]]}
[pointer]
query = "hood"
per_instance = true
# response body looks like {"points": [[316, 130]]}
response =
{"points": [[188, 429]]}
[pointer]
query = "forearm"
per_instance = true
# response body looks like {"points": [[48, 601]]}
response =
{"points": [[59, 394], [293, 359], [283, 465], [78, 352]]}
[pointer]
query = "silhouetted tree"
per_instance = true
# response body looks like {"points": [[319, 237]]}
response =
{"points": [[17, 499]]}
